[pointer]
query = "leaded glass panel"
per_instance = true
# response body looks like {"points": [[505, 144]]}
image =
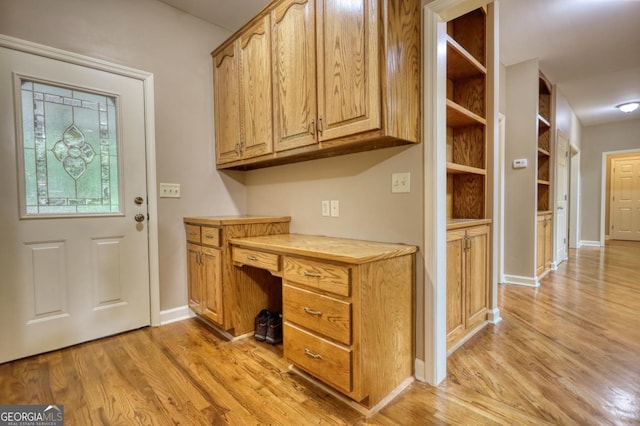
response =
{"points": [[70, 151]]}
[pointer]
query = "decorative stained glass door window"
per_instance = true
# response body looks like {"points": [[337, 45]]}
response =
{"points": [[70, 151]]}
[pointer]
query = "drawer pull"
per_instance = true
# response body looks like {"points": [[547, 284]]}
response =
{"points": [[312, 274], [193, 233], [208, 235], [312, 312], [252, 258], [307, 352]]}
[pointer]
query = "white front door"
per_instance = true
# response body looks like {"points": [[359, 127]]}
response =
{"points": [[625, 198], [75, 262], [562, 197]]}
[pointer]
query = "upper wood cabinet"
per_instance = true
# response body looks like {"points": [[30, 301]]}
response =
{"points": [[345, 77], [294, 74], [242, 99], [227, 104]]}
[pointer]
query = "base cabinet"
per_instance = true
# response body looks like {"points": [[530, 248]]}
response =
{"points": [[218, 292], [467, 281], [205, 284], [347, 307], [544, 244]]}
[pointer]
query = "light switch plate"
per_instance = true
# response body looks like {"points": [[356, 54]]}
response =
{"points": [[169, 190], [335, 208]]}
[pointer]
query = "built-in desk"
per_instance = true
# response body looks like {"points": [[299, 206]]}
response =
{"points": [[348, 309]]}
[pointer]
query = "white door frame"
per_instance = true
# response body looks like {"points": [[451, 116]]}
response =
{"points": [[433, 369], [603, 188], [556, 229], [149, 124]]}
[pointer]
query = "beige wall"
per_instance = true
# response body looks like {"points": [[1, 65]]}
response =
{"points": [[612, 137], [520, 190], [153, 37]]}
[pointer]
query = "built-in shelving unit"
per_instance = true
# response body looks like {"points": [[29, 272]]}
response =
{"points": [[466, 117], [468, 226], [544, 144]]}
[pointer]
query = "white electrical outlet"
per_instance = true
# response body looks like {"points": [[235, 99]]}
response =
{"points": [[401, 182], [326, 208], [169, 190], [335, 208]]}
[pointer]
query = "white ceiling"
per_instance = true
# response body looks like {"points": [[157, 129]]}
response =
{"points": [[589, 48]]}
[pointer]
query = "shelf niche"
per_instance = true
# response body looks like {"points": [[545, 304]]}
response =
{"points": [[466, 117]]}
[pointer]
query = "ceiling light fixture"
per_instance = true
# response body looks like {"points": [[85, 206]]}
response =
{"points": [[628, 106]]}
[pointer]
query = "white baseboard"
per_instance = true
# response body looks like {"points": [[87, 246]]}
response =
{"points": [[586, 243], [418, 366], [493, 315], [175, 314], [518, 280]]}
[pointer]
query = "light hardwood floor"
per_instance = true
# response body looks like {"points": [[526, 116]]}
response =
{"points": [[565, 353]]}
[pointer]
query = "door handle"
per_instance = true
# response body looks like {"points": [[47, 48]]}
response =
{"points": [[139, 217]]}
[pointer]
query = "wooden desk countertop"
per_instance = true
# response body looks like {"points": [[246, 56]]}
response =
{"points": [[327, 248], [234, 220]]}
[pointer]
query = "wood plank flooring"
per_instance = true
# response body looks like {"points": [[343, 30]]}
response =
{"points": [[567, 353]]}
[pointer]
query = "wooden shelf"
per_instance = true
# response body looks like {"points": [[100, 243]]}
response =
{"points": [[460, 63], [465, 223], [543, 152], [458, 116], [454, 168], [543, 122], [543, 182]]}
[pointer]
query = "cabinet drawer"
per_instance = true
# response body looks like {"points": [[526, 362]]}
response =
{"points": [[259, 259], [326, 315], [327, 361], [193, 233], [210, 236], [323, 276]]}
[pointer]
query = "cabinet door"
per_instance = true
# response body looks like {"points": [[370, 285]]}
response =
{"points": [[194, 277], [455, 286], [226, 98], [548, 238], [294, 74], [540, 231], [255, 81], [348, 76], [477, 281], [212, 284]]}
